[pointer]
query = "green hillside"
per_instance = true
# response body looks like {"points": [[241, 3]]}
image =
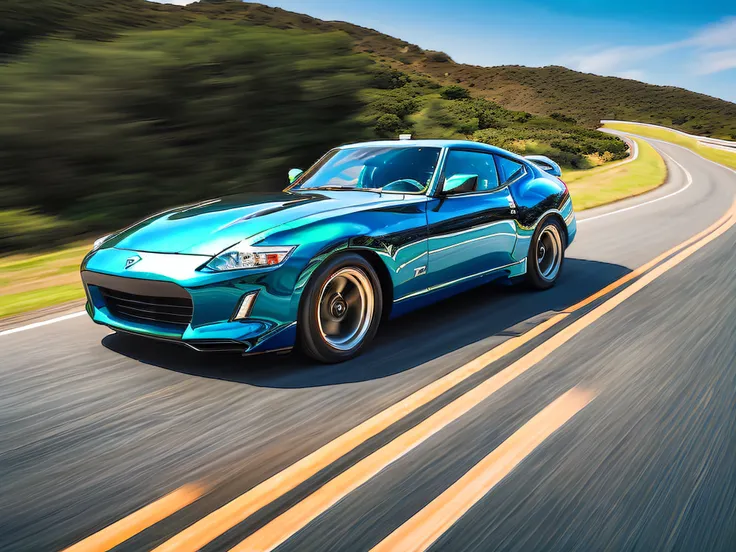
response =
{"points": [[550, 90], [111, 110], [584, 97], [590, 98]]}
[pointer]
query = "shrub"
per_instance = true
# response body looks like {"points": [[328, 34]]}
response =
{"points": [[388, 126], [396, 106], [563, 118], [454, 92], [468, 127], [438, 57], [388, 78]]}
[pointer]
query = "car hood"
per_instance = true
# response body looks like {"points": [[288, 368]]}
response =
{"points": [[209, 227]]}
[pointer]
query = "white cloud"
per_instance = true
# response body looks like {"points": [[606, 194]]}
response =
{"points": [[633, 74], [714, 62], [603, 61], [713, 49], [716, 35], [618, 60]]}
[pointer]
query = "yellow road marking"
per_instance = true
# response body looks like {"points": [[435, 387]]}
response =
{"points": [[228, 516], [297, 517], [645, 267], [430, 523], [213, 525], [136, 522]]}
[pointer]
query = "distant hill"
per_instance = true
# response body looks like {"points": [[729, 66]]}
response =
{"points": [[544, 91], [589, 98], [539, 90]]}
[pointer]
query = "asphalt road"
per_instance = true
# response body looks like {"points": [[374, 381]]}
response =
{"points": [[96, 426]]}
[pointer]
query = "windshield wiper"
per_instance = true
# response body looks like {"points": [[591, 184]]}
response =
{"points": [[342, 188]]}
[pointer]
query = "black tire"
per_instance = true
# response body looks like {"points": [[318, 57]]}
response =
{"points": [[319, 343], [551, 232]]}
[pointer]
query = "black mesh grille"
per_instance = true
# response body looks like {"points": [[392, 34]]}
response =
{"points": [[175, 311]]}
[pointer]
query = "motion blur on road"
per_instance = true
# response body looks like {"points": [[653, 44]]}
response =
{"points": [[598, 414]]}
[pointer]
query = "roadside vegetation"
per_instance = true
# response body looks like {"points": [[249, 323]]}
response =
{"points": [[723, 157], [29, 282], [94, 135], [609, 183]]}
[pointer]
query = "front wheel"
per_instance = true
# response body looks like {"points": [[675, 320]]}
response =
{"points": [[546, 255], [341, 309]]}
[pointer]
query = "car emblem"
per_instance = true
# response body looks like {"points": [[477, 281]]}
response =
{"points": [[130, 261]]}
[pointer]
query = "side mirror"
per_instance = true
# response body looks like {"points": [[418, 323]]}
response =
{"points": [[294, 174], [460, 183]]}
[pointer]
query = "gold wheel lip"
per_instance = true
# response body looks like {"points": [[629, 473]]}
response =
{"points": [[551, 242], [355, 336]]}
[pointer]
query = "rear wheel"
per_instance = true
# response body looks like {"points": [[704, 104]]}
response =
{"points": [[340, 310], [546, 255]]}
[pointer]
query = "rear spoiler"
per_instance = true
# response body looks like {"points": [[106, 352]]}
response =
{"points": [[546, 164]]}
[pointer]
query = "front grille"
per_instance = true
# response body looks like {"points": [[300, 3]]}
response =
{"points": [[174, 311]]}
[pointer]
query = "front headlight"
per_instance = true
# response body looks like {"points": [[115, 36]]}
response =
{"points": [[99, 241], [242, 256]]}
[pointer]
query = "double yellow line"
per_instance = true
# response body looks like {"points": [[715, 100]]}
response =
{"points": [[285, 525], [430, 523]]}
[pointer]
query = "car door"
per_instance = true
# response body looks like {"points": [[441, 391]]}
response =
{"points": [[471, 228]]}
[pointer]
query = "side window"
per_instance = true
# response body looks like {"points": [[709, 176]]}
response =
{"points": [[510, 170], [472, 162]]}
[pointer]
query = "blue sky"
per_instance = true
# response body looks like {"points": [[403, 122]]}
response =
{"points": [[691, 44]]}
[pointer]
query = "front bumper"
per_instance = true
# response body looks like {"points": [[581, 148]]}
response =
{"points": [[215, 297]]}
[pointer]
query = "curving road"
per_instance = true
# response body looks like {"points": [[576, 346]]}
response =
{"points": [[526, 421]]}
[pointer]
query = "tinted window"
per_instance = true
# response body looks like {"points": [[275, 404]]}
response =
{"points": [[401, 169], [473, 162], [510, 170]]}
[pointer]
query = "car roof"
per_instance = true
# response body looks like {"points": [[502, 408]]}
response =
{"points": [[430, 144]]}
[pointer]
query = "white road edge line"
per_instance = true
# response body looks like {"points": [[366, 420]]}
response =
{"points": [[635, 147], [689, 182], [42, 323], [666, 143]]}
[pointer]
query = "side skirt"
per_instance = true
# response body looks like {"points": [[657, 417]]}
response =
{"points": [[436, 293]]}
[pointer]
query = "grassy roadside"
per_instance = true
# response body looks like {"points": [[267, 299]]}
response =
{"points": [[609, 183], [714, 154], [29, 282]]}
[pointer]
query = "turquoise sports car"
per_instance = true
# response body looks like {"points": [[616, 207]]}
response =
{"points": [[370, 231]]}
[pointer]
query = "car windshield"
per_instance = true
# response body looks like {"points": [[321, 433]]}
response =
{"points": [[390, 169]]}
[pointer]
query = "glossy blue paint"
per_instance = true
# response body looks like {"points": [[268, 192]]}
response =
{"points": [[430, 246], [469, 233]]}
